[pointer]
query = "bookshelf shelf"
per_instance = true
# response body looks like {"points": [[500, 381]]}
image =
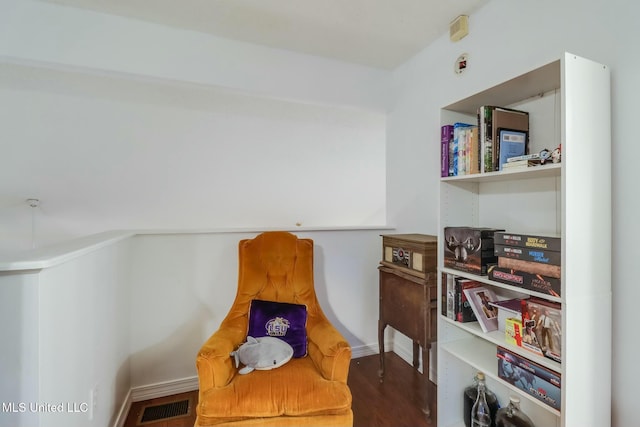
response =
{"points": [[481, 356], [497, 338], [522, 292], [569, 103], [552, 170]]}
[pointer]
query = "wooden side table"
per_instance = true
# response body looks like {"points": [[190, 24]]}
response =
{"points": [[408, 296]]}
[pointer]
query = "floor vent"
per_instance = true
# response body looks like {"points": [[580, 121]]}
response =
{"points": [[165, 411]]}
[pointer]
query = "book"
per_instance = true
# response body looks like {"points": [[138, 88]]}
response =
{"points": [[542, 323], [468, 150], [533, 267], [512, 144], [462, 151], [485, 113], [463, 311], [443, 295], [486, 314], [459, 147], [520, 164], [473, 152], [532, 156], [446, 139], [551, 243], [533, 282], [506, 118], [528, 254], [451, 296]]}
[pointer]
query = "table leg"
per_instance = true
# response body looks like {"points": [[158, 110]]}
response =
{"points": [[416, 354], [425, 375], [381, 326]]}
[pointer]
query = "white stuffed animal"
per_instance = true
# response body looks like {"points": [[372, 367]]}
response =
{"points": [[262, 353]]}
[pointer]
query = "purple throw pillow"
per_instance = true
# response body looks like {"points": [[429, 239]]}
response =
{"points": [[282, 320]]}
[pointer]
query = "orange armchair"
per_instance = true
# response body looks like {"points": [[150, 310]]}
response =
{"points": [[307, 391]]}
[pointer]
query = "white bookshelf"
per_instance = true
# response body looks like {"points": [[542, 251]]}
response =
{"points": [[569, 103]]}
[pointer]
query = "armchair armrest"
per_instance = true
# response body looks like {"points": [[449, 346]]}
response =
{"points": [[330, 352], [214, 364]]}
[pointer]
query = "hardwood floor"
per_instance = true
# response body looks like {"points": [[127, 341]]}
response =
{"points": [[395, 402]]}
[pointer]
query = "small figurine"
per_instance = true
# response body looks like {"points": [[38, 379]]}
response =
{"points": [[545, 156], [556, 155]]}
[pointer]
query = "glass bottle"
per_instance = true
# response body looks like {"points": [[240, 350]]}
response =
{"points": [[470, 396], [480, 412], [512, 416]]}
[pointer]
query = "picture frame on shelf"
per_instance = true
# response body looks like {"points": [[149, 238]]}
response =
{"points": [[487, 314]]}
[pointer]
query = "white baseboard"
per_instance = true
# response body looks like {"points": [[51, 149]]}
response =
{"points": [[124, 411], [400, 346], [166, 388], [364, 350], [153, 391]]}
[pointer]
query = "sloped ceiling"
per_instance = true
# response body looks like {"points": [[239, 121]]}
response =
{"points": [[375, 33]]}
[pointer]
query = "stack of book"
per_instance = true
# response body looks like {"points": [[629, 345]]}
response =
{"points": [[503, 133], [529, 261], [500, 133], [460, 149], [458, 307], [522, 162], [468, 300]]}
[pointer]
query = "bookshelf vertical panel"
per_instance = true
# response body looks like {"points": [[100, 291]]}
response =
{"points": [[587, 242], [587, 362], [587, 177], [569, 103]]}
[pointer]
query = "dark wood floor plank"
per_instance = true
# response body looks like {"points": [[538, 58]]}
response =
{"points": [[396, 401]]}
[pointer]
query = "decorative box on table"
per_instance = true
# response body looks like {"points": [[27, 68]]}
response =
{"points": [[413, 253]]}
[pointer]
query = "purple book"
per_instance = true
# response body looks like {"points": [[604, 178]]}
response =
{"points": [[446, 160]]}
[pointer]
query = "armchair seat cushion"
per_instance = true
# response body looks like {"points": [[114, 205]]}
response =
{"points": [[296, 389]]}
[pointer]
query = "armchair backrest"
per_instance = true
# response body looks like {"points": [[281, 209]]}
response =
{"points": [[276, 266]]}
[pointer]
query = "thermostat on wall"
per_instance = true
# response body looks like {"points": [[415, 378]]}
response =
{"points": [[461, 63]]}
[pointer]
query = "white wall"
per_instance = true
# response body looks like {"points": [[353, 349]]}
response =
{"points": [[110, 153], [507, 38], [84, 335], [19, 347], [65, 334], [114, 123]]}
